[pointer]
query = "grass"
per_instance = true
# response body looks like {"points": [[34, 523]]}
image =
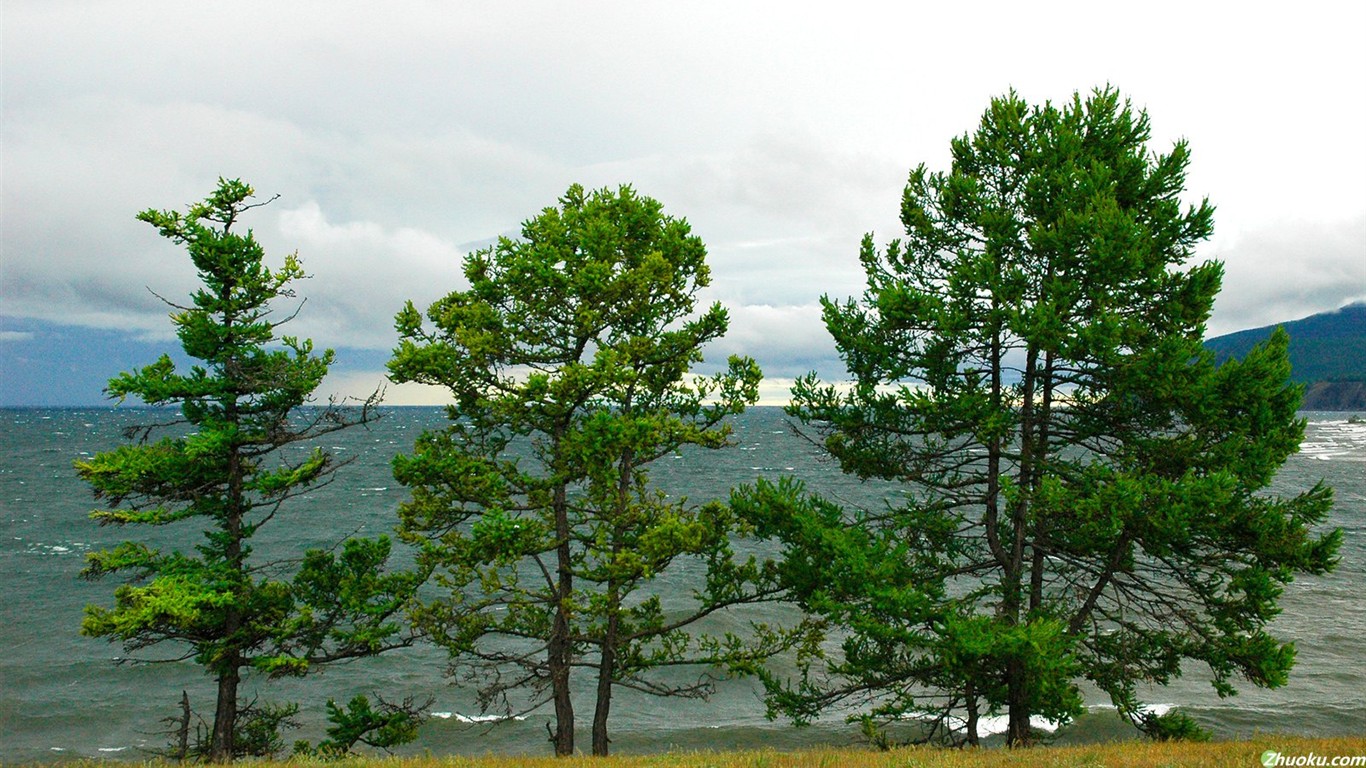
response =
{"points": [[1127, 754]]}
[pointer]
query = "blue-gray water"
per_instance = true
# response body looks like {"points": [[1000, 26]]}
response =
{"points": [[63, 696]]}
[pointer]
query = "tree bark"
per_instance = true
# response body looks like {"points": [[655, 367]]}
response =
{"points": [[1017, 682], [607, 663], [601, 744], [970, 727], [223, 743], [182, 733], [1017, 731], [560, 649]]}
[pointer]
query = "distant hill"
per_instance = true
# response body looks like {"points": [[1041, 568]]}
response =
{"points": [[1327, 352]]}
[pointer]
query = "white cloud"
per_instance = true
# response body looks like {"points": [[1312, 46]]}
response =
{"points": [[361, 275]]}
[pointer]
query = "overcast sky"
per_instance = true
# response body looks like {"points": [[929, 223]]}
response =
{"points": [[399, 135]]}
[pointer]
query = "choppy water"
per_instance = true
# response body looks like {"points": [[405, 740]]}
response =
{"points": [[63, 696]]}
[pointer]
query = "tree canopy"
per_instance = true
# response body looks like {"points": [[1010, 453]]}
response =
{"points": [[569, 359], [1086, 489]]}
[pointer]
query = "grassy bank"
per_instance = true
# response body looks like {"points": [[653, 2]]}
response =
{"points": [[1129, 754]]}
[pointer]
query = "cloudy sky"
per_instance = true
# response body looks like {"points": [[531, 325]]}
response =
{"points": [[400, 135]]}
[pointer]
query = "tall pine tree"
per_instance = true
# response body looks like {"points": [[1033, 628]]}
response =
{"points": [[218, 474], [1086, 490]]}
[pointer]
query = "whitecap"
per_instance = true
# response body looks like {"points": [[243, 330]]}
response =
{"points": [[989, 726], [486, 718], [1157, 710], [111, 749], [442, 715]]}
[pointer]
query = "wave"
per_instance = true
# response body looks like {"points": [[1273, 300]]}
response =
{"points": [[67, 548], [998, 724], [459, 718], [991, 726], [1157, 710], [1335, 441]]}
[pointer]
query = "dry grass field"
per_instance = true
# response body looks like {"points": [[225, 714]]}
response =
{"points": [[1130, 754]]}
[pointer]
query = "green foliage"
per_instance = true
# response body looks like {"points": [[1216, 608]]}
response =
{"points": [[383, 727], [258, 730], [569, 362], [1085, 487], [1172, 726], [219, 473]]}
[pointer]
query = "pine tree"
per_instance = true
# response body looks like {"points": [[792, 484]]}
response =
{"points": [[225, 468], [569, 361], [1086, 488]]}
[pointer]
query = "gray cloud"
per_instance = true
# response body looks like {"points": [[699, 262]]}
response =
{"points": [[1289, 271], [793, 340]]}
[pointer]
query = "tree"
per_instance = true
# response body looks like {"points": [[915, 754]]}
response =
{"points": [[569, 358], [1086, 488], [227, 466]]}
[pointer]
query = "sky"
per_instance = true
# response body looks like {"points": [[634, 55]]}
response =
{"points": [[399, 136]]}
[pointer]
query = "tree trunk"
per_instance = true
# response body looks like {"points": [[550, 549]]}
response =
{"points": [[607, 664], [225, 717], [182, 733], [560, 649], [970, 727], [1017, 730], [223, 743], [1039, 535], [1013, 602], [563, 736], [605, 670]]}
